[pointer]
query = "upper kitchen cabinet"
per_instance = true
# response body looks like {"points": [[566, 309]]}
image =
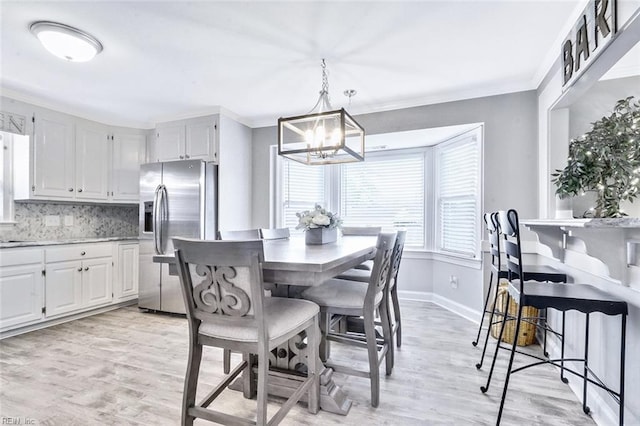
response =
{"points": [[92, 161], [128, 152], [189, 139]]}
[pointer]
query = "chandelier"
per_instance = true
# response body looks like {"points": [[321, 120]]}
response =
{"points": [[323, 136]]}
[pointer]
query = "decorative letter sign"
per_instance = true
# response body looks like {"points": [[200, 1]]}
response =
{"points": [[593, 31]]}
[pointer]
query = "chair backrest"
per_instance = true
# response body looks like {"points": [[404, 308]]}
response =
{"points": [[244, 235], [509, 229], [396, 257], [381, 267], [361, 230], [491, 223], [221, 282], [275, 233]]}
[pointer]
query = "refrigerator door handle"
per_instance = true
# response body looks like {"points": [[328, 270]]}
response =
{"points": [[164, 213], [156, 222]]}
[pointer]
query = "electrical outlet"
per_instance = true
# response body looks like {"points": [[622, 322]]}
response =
{"points": [[52, 220], [68, 220], [453, 280]]}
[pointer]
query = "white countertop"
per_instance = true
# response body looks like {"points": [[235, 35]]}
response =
{"points": [[623, 222], [15, 244]]}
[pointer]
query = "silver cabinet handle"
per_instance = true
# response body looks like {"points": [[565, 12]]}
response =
{"points": [[80, 269], [79, 189], [86, 268], [182, 157], [186, 156], [82, 253], [70, 189]]}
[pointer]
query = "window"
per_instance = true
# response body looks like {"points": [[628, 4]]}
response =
{"points": [[386, 190], [458, 195], [434, 192]]}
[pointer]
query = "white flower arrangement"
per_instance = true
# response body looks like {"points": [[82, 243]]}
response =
{"points": [[318, 218]]}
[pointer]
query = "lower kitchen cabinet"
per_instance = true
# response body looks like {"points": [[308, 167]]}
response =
{"points": [[21, 287], [125, 284], [63, 287]]}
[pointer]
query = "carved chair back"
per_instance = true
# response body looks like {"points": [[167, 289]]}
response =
{"points": [[396, 257], [222, 282], [381, 266], [491, 224], [243, 235]]}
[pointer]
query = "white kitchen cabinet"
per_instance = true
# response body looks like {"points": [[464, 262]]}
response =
{"points": [[187, 140], [128, 152], [125, 285], [78, 277], [53, 157], [92, 161], [21, 287]]}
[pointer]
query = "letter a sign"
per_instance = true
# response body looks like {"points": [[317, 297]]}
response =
{"points": [[591, 34]]}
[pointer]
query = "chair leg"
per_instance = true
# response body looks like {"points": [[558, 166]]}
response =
{"points": [[226, 361], [491, 317], [505, 318], [263, 374], [313, 365], [544, 339], [191, 383], [622, 369], [509, 367], [564, 379], [324, 331], [484, 311], [396, 314], [387, 336], [585, 407], [372, 349]]}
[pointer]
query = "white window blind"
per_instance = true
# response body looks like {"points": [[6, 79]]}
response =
{"points": [[386, 190], [302, 187], [458, 169]]}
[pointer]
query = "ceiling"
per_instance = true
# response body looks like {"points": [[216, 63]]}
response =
{"points": [[260, 60]]}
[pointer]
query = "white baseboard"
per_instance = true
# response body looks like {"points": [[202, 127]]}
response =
{"points": [[448, 304]]}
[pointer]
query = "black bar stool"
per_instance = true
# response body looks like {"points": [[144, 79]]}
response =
{"points": [[563, 297]]}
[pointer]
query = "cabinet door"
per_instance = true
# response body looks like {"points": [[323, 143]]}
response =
{"points": [[53, 151], [63, 287], [126, 284], [97, 281], [128, 152], [21, 289], [170, 143], [92, 149], [201, 137]]}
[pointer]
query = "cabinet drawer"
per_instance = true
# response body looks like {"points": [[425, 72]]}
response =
{"points": [[78, 251], [21, 256]]}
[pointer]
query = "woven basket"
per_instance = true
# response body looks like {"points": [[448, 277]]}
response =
{"points": [[527, 334]]}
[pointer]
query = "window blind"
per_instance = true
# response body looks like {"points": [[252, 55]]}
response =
{"points": [[458, 170], [385, 191], [303, 187]]}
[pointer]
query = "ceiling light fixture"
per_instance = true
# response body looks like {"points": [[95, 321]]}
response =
{"points": [[324, 135], [66, 42]]}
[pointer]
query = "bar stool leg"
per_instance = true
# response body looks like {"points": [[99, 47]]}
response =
{"points": [[513, 353], [484, 311], [491, 316], [485, 388], [585, 407], [544, 345], [564, 379], [622, 369]]}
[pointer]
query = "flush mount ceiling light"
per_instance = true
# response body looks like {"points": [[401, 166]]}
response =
{"points": [[66, 42], [323, 136]]}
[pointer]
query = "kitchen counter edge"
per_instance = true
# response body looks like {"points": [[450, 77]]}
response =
{"points": [[17, 244]]}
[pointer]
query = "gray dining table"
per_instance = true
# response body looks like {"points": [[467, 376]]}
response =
{"points": [[292, 265]]}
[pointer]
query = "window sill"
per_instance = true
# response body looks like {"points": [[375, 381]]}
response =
{"points": [[474, 263]]}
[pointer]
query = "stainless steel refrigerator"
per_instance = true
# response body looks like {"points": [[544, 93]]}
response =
{"points": [[177, 199]]}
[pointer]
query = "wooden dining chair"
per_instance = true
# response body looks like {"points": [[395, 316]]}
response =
{"points": [[391, 293], [222, 288], [239, 235], [562, 297], [364, 231], [357, 299], [275, 233]]}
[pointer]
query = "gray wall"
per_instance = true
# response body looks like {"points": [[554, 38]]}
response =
{"points": [[510, 126]]}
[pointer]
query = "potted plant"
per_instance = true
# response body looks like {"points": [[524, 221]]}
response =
{"points": [[321, 226], [605, 160]]}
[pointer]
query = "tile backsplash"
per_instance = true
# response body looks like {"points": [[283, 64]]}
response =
{"points": [[71, 221]]}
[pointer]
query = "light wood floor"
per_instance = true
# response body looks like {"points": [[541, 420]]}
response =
{"points": [[126, 367]]}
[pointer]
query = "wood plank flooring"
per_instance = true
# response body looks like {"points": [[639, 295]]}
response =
{"points": [[126, 367]]}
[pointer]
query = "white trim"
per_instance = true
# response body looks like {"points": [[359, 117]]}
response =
{"points": [[448, 304]]}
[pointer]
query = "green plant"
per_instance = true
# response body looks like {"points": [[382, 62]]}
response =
{"points": [[605, 160]]}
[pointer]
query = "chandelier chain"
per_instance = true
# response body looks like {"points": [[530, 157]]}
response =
{"points": [[325, 78]]}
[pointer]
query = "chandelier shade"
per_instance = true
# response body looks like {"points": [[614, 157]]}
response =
{"points": [[323, 136]]}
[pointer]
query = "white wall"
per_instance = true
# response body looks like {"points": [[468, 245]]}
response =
{"points": [[605, 331]]}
